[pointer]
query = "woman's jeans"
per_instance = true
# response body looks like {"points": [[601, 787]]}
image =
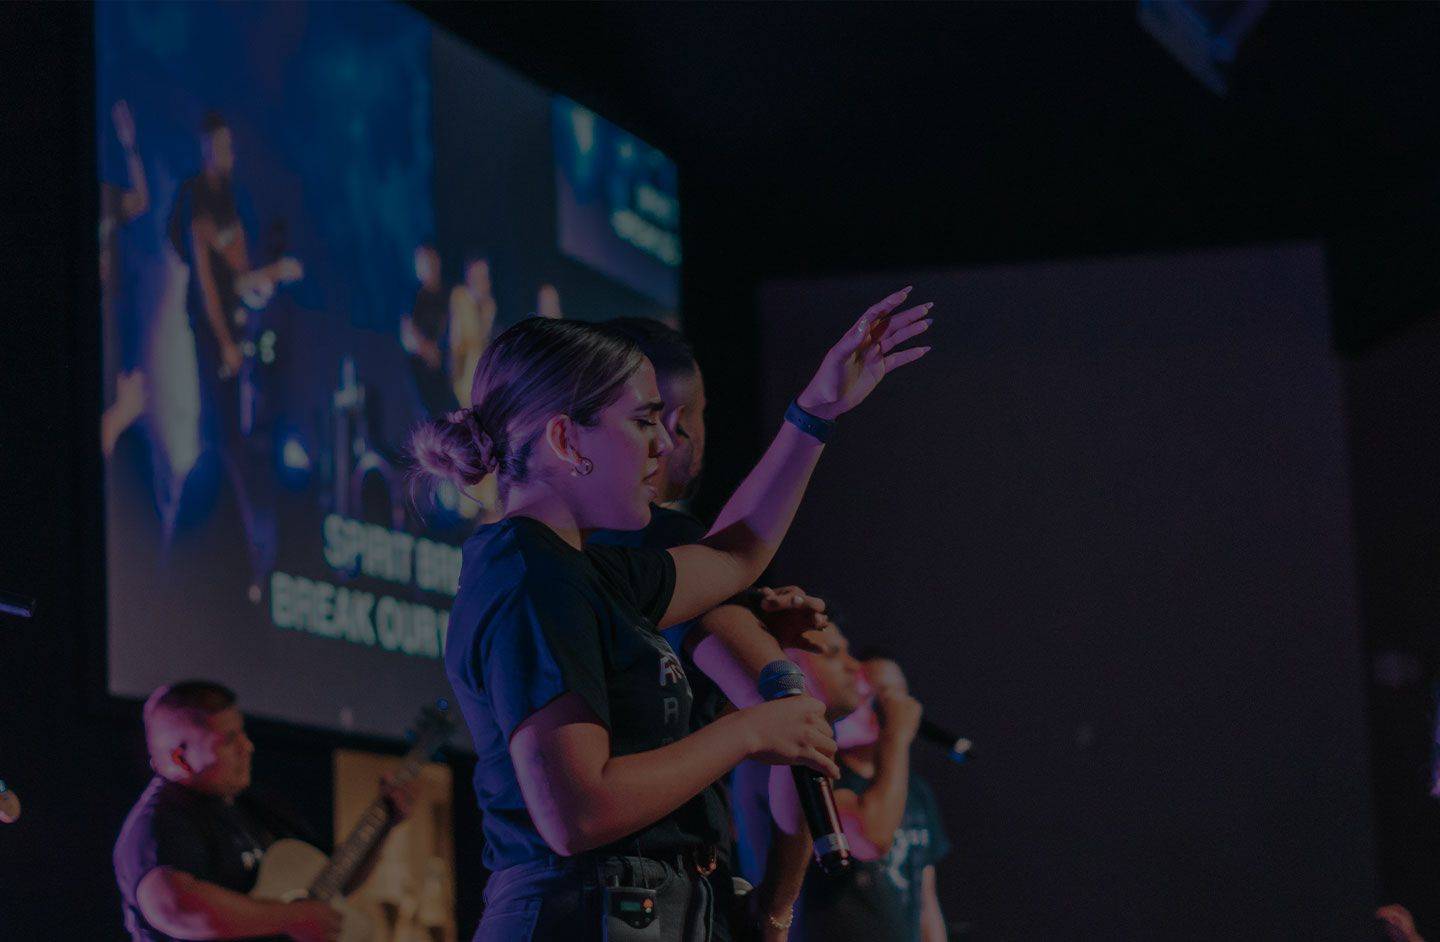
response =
{"points": [[569, 899]]}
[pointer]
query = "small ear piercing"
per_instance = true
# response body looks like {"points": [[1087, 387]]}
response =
{"points": [[582, 467]]}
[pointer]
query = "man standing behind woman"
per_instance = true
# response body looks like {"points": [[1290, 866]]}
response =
{"points": [[422, 333], [892, 820], [888, 814], [732, 642]]}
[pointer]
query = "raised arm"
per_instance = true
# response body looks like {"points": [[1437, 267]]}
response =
{"points": [[875, 815], [136, 200], [186, 907], [755, 519]]}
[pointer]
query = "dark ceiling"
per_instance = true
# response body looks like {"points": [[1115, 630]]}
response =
{"points": [[873, 135], [861, 137]]}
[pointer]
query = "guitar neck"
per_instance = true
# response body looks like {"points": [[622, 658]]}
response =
{"points": [[352, 855]]}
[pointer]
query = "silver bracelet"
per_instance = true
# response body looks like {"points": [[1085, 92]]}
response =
{"points": [[773, 923]]}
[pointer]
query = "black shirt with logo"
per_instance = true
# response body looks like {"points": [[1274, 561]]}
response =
{"points": [[709, 811], [534, 619], [670, 528], [214, 840]]}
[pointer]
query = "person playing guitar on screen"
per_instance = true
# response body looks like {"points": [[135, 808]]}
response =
{"points": [[192, 845], [207, 232]]}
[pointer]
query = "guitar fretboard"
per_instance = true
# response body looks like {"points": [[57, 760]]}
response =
{"points": [[351, 855]]}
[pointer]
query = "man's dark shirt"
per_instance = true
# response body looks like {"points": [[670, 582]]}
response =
{"points": [[431, 313], [200, 198], [210, 839], [430, 316]]}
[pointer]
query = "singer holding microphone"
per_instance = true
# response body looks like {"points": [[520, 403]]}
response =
{"points": [[577, 706], [891, 818], [888, 814]]}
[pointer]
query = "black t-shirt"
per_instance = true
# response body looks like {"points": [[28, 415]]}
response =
{"points": [[430, 313], [207, 837], [878, 899], [200, 198], [535, 618], [669, 528], [708, 812]]}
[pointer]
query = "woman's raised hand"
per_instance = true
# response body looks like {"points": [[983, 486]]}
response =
{"points": [[869, 350]]}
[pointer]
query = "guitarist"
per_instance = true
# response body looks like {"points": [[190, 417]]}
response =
{"points": [[190, 848], [208, 233]]}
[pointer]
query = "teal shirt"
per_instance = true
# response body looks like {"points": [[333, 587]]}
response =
{"points": [[878, 900]]}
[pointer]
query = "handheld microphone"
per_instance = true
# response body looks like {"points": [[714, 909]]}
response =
{"points": [[817, 797], [957, 748]]}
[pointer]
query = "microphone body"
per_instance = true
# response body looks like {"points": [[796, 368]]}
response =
{"points": [[13, 603], [817, 797], [958, 748]]}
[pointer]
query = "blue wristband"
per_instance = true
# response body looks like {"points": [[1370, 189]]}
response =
{"points": [[812, 425]]}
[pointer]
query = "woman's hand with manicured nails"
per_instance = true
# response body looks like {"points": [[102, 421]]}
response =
{"points": [[869, 350], [753, 522]]}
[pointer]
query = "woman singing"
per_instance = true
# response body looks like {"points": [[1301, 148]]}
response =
{"points": [[578, 708]]}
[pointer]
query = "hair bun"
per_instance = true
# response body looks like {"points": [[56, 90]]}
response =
{"points": [[487, 458], [450, 448], [485, 449], [536, 369]]}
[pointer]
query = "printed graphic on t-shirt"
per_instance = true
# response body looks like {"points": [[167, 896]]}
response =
{"points": [[906, 840], [670, 670]]}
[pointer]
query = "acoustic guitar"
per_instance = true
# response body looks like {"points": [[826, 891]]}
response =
{"points": [[293, 870]]}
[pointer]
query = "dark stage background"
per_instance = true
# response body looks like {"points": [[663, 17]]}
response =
{"points": [[814, 142], [1106, 532]]}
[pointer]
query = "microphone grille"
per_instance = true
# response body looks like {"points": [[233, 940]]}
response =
{"points": [[780, 679]]}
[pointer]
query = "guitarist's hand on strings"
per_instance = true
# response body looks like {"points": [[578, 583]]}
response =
{"points": [[289, 269], [313, 921]]}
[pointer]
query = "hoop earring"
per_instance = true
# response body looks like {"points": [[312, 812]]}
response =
{"points": [[582, 467]]}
